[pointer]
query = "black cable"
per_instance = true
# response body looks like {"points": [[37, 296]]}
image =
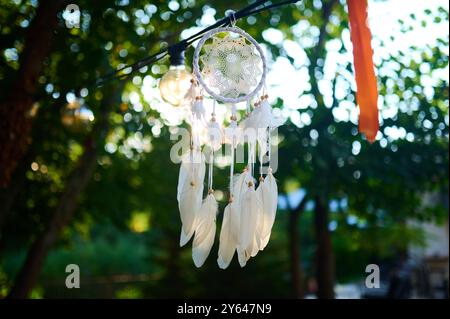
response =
{"points": [[271, 6], [136, 66], [227, 20], [251, 9], [133, 67], [239, 15]]}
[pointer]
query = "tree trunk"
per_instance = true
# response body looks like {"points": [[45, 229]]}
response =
{"points": [[294, 243], [173, 275], [294, 248], [324, 251], [8, 197], [15, 123], [66, 207], [61, 217]]}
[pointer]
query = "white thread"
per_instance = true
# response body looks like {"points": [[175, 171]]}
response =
{"points": [[260, 161], [210, 172], [232, 168], [233, 110], [253, 157], [269, 146]]}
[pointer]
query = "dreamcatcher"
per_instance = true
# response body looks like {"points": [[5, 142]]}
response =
{"points": [[229, 65]]}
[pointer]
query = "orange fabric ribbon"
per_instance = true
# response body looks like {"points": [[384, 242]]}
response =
{"points": [[366, 82]]}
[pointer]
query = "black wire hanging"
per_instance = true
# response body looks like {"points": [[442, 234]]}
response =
{"points": [[126, 71]]}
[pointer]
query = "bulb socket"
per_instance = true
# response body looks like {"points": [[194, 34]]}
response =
{"points": [[176, 55]]}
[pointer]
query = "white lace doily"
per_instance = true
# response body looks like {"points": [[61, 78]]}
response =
{"points": [[231, 69]]}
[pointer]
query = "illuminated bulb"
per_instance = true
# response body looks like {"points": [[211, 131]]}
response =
{"points": [[76, 116], [175, 84]]}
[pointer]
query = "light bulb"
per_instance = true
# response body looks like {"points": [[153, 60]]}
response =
{"points": [[175, 84]]}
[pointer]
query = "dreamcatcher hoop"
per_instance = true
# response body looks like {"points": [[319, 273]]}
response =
{"points": [[199, 76]]}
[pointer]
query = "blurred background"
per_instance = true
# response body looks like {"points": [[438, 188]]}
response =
{"points": [[92, 183]]}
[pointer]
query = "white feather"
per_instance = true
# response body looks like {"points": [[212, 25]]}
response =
{"points": [[259, 221], [262, 136], [238, 187], [243, 257], [266, 117], [228, 238], [201, 250], [233, 133], [250, 207], [269, 192], [255, 247], [198, 110], [248, 127], [266, 204], [205, 231], [270, 179], [265, 114], [184, 238], [190, 191], [191, 93], [249, 121], [262, 117], [264, 242]]}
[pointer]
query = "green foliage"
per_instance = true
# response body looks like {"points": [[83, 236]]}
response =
{"points": [[380, 186]]}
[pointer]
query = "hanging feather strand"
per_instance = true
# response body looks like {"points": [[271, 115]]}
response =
{"points": [[206, 225], [205, 232], [269, 194], [190, 191], [228, 238], [228, 233], [239, 186], [249, 213]]}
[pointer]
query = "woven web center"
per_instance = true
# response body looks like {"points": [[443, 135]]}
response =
{"points": [[231, 66]]}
